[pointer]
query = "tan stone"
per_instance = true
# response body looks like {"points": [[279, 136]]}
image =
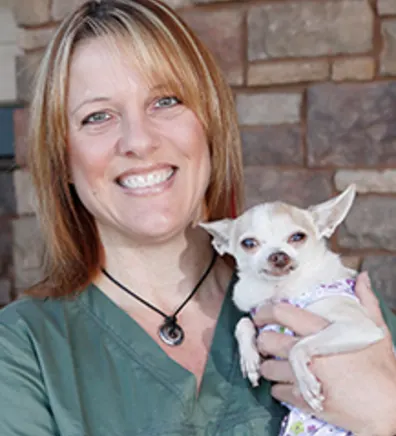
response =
{"points": [[268, 108], [8, 86], [222, 32], [386, 7], [60, 8], [295, 28], [287, 72], [352, 262], [178, 3], [300, 186], [31, 12], [212, 1], [5, 291], [28, 251], [29, 39], [24, 192], [21, 117], [27, 66], [351, 124], [388, 55], [7, 196], [353, 69], [273, 145], [8, 28], [370, 224], [367, 180], [382, 273]]}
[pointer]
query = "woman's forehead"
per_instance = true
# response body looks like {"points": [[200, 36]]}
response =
{"points": [[102, 65]]}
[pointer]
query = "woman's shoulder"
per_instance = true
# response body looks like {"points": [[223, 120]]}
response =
{"points": [[32, 313]]}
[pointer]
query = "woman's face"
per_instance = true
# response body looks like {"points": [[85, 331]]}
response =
{"points": [[139, 158]]}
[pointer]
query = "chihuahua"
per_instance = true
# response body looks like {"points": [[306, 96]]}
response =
{"points": [[281, 255]]}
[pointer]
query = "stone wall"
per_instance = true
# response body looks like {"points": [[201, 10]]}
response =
{"points": [[8, 52], [315, 90]]}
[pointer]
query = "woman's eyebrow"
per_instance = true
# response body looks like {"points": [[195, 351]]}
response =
{"points": [[89, 100], [162, 87]]}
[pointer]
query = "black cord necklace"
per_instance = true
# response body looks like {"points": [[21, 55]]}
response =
{"points": [[169, 331]]}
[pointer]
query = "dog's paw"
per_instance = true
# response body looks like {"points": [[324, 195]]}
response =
{"points": [[310, 387], [250, 365]]}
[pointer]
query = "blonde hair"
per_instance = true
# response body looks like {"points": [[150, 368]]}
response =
{"points": [[165, 50]]}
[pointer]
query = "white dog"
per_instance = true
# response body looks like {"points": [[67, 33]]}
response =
{"points": [[281, 254]]}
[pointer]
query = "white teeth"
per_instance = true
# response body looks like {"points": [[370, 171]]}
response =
{"points": [[146, 180]]}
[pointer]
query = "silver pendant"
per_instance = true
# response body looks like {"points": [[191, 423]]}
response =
{"points": [[171, 333]]}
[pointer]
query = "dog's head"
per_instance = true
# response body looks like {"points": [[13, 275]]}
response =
{"points": [[272, 240]]}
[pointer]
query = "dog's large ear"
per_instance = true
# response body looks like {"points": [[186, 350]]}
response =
{"points": [[220, 230], [328, 215]]}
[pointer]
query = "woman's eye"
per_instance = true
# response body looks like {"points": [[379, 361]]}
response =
{"points": [[96, 118], [297, 237], [250, 243], [167, 102]]}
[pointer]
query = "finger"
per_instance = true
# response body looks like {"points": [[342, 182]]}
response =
{"points": [[277, 371], [301, 321], [275, 344], [290, 394], [368, 299]]}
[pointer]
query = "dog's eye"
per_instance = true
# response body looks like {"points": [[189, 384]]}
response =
{"points": [[297, 237], [249, 243]]}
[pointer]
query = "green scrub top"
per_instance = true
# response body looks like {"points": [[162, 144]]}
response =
{"points": [[83, 367]]}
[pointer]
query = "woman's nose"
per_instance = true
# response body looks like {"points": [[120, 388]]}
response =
{"points": [[139, 138]]}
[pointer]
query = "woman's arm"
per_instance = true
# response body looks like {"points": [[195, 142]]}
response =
{"points": [[24, 408], [359, 387]]}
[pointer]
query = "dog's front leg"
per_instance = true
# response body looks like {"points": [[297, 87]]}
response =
{"points": [[338, 337], [245, 333]]}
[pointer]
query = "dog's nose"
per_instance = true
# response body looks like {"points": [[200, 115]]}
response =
{"points": [[279, 259]]}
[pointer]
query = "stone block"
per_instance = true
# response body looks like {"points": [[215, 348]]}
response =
{"points": [[276, 73], [175, 4], [5, 248], [382, 272], [24, 192], [27, 66], [7, 194], [31, 39], [61, 8], [198, 2], [367, 181], [299, 187], [352, 125], [5, 291], [28, 252], [8, 28], [386, 7], [370, 224], [272, 145], [222, 32], [21, 118], [268, 108], [8, 87], [353, 69], [32, 12], [353, 262], [388, 55], [293, 28]]}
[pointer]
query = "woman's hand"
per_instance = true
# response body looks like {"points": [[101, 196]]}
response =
{"points": [[359, 387]]}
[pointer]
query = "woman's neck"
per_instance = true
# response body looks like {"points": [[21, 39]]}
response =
{"points": [[163, 273]]}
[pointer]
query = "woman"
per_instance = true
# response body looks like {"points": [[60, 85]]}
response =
{"points": [[134, 140]]}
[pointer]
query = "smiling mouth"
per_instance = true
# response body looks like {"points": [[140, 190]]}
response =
{"points": [[279, 272], [146, 180]]}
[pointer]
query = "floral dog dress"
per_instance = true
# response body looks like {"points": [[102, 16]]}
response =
{"points": [[297, 422]]}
